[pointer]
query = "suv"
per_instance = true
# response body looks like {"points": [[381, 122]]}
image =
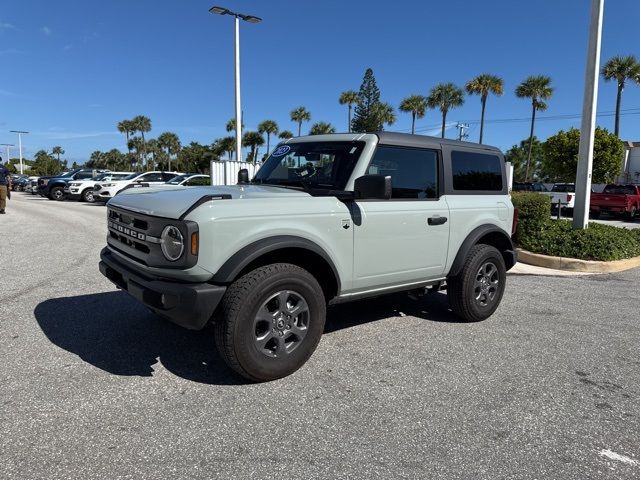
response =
{"points": [[83, 189], [326, 219], [53, 187], [104, 191]]}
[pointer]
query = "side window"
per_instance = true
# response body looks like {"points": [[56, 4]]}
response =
{"points": [[413, 171], [165, 177], [83, 175], [198, 182], [151, 177], [476, 171]]}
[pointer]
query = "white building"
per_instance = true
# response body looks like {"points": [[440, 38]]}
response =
{"points": [[630, 172]]}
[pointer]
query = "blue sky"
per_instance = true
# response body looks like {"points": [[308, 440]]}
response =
{"points": [[72, 69]]}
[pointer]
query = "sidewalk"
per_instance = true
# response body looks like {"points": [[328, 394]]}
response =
{"points": [[524, 269]]}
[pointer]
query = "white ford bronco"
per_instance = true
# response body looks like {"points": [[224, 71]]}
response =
{"points": [[326, 219]]}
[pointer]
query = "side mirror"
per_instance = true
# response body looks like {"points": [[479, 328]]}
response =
{"points": [[243, 176], [373, 186]]}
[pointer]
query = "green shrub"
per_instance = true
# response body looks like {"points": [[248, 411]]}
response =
{"points": [[534, 210], [597, 242]]}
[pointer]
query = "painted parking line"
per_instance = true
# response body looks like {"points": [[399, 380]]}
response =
{"points": [[611, 455]]}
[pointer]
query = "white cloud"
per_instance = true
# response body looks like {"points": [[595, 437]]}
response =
{"points": [[46, 30], [6, 26]]}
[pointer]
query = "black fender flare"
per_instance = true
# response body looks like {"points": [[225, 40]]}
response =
{"points": [[246, 255], [506, 248]]}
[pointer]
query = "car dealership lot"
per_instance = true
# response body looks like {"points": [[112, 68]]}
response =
{"points": [[94, 386]]}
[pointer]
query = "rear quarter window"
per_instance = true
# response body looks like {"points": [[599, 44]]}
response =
{"points": [[474, 171]]}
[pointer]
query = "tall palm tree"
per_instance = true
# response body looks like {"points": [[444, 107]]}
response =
{"points": [[231, 125], [171, 143], [285, 135], [621, 69], [252, 140], [483, 85], [126, 127], [225, 145], [383, 114], [538, 88], [321, 128], [137, 145], [444, 97], [350, 98], [57, 151], [142, 124], [300, 115], [153, 147], [417, 105], [269, 127]]}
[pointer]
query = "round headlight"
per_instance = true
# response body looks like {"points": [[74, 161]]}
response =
{"points": [[172, 243]]}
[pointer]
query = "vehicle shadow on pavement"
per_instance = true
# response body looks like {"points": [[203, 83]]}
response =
{"points": [[116, 334]]}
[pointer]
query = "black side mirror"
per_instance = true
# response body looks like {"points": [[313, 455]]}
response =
{"points": [[373, 186], [243, 176]]}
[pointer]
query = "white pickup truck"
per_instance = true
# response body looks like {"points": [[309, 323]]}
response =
{"points": [[563, 194]]}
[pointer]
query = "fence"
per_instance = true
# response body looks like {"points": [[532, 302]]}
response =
{"points": [[226, 173]]}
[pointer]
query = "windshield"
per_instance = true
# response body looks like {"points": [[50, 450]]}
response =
{"points": [[177, 179], [564, 188], [619, 190], [319, 165]]}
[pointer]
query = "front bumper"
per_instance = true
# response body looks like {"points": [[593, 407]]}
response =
{"points": [[190, 305]]}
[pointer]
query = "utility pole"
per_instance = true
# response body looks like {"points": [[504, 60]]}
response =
{"points": [[461, 131], [8, 145], [19, 132], [587, 129]]}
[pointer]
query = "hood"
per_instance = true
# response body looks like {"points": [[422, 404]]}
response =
{"points": [[174, 202]]}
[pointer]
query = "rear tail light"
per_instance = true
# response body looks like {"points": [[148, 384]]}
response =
{"points": [[569, 197], [514, 225]]}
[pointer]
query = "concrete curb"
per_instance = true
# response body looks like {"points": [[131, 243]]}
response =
{"points": [[575, 265]]}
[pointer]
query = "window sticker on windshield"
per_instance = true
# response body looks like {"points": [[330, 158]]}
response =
{"points": [[280, 151]]}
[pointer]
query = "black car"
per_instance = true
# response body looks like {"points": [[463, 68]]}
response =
{"points": [[529, 187]]}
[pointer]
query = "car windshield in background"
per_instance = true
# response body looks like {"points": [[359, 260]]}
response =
{"points": [[311, 165], [131, 176], [619, 190], [564, 188], [177, 179]]}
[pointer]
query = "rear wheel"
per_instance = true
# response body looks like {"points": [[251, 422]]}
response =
{"points": [[87, 196], [631, 214], [271, 321], [475, 293]]}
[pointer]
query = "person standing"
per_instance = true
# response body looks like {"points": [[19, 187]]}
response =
{"points": [[5, 182]]}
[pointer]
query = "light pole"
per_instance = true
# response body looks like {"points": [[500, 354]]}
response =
{"points": [[587, 130], [19, 132], [250, 19], [8, 145]]}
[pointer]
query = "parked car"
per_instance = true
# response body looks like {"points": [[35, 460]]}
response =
{"points": [[104, 191], [186, 180], [529, 187], [616, 200], [83, 189], [32, 185], [562, 194], [18, 182], [53, 187], [326, 219]]}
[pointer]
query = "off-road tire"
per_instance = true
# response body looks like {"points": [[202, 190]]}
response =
{"points": [[461, 288], [234, 329]]}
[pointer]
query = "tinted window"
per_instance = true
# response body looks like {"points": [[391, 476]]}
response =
{"points": [[620, 189], [165, 177], [198, 181], [83, 175], [414, 172], [564, 188], [151, 177], [476, 171]]}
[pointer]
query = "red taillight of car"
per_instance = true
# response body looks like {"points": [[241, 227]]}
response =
{"points": [[569, 197], [514, 225]]}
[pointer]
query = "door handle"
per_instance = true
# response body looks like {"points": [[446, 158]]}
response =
{"points": [[437, 220]]}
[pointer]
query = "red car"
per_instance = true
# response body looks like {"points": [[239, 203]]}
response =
{"points": [[617, 200]]}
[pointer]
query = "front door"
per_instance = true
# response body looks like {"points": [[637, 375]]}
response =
{"points": [[405, 239]]}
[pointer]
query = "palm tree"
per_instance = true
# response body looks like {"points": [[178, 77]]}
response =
{"points": [[154, 148], [269, 127], [350, 98], [321, 128], [417, 105], [300, 115], [126, 127], [538, 89], [444, 97], [142, 124], [621, 69], [57, 151], [253, 140], [226, 145], [136, 144], [383, 113], [483, 85], [285, 135], [171, 143], [231, 125]]}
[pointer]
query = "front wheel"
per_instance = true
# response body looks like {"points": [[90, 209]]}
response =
{"points": [[271, 321], [87, 196], [475, 293], [57, 193]]}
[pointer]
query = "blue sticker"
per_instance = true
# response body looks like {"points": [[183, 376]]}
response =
{"points": [[281, 150]]}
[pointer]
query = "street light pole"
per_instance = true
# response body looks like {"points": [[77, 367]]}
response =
{"points": [[8, 145], [587, 129], [19, 132], [250, 19]]}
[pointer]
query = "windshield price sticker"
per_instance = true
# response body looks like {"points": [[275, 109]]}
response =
{"points": [[280, 151]]}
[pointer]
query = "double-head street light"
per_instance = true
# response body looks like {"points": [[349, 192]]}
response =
{"points": [[8, 146], [250, 19], [19, 132]]}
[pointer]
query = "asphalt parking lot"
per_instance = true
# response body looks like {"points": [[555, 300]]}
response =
{"points": [[93, 386]]}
